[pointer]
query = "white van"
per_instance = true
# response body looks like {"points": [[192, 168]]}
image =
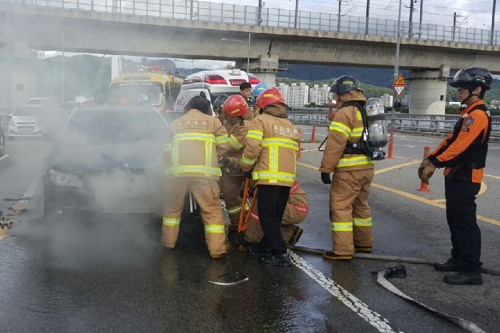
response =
{"points": [[212, 83]]}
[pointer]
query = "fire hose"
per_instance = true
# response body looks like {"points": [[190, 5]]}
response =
{"points": [[400, 272]]}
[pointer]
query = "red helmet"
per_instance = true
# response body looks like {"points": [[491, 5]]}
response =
{"points": [[269, 96], [235, 106]]}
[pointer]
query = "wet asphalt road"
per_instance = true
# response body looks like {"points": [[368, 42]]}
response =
{"points": [[110, 275]]}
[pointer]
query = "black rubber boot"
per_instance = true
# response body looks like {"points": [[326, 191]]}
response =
{"points": [[448, 266], [465, 278], [258, 250]]}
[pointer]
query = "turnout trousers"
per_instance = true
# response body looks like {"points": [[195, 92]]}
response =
{"points": [[231, 187], [271, 204], [349, 211], [461, 216], [207, 195]]}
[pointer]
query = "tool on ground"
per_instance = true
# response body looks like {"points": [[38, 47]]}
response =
{"points": [[400, 272], [229, 279], [193, 207], [243, 227], [243, 204]]}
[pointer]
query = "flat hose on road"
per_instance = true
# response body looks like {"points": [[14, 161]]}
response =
{"points": [[400, 271], [388, 258]]}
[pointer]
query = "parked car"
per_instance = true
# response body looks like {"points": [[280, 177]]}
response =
{"points": [[108, 160], [27, 120]]}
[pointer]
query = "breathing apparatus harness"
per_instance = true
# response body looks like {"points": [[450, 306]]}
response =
{"points": [[364, 145]]}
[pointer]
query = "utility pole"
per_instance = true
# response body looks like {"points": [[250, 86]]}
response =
{"points": [[410, 29], [367, 16], [396, 63], [421, 17], [191, 10], [63, 70], [454, 26], [259, 13], [338, 19], [493, 22], [9, 65], [296, 13]]}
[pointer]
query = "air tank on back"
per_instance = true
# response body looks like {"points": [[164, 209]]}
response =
{"points": [[377, 127]]}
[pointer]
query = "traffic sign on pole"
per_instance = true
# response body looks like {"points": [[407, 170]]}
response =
{"points": [[399, 85]]}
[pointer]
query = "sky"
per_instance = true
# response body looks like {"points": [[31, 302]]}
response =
{"points": [[470, 14]]}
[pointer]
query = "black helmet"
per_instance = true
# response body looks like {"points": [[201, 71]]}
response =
{"points": [[472, 77], [219, 103], [345, 84]]}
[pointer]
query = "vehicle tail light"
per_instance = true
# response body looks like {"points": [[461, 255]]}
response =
{"points": [[215, 79], [252, 79]]}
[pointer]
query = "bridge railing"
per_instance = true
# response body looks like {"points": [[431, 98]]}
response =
{"points": [[273, 17], [433, 123]]}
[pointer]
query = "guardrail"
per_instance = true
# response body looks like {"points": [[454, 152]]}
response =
{"points": [[273, 17], [432, 123]]}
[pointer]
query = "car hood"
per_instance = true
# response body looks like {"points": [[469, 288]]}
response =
{"points": [[138, 156], [26, 119]]}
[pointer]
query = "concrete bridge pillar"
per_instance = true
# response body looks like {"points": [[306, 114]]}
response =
{"points": [[428, 91], [265, 68]]}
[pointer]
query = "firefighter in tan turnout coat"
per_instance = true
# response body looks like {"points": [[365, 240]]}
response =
{"points": [[352, 174], [194, 144], [235, 109], [270, 159]]}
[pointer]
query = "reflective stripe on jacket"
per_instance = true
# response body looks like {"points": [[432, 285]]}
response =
{"points": [[347, 127], [271, 150], [237, 129], [194, 143]]}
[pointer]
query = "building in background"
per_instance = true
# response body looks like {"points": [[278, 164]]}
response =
{"points": [[295, 95], [319, 95]]}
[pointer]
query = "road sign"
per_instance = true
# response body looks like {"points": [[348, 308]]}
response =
{"points": [[399, 85]]}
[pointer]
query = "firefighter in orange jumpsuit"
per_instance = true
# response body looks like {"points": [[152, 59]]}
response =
{"points": [[270, 159], [352, 174], [296, 211], [235, 109], [194, 145], [463, 154]]}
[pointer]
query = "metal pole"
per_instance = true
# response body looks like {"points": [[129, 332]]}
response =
{"points": [[421, 17], [338, 19], [296, 13], [454, 26], [367, 16], [396, 63], [63, 69], [9, 65], [410, 29], [493, 22], [248, 56], [259, 13]]}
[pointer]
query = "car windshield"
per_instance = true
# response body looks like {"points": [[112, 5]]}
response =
{"points": [[92, 128], [131, 91], [28, 111]]}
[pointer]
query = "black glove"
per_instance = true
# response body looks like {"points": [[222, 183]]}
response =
{"points": [[325, 178], [248, 174], [223, 162]]}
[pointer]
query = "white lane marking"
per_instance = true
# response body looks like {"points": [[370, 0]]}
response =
{"points": [[31, 189], [321, 134], [423, 141], [352, 302], [4, 157], [410, 146]]}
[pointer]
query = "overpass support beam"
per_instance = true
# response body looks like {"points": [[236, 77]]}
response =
{"points": [[428, 91], [265, 68]]}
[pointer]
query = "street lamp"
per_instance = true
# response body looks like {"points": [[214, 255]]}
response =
{"points": [[396, 62], [242, 41], [64, 63]]}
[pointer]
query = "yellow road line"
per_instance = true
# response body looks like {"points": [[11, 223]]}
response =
{"points": [[435, 203], [395, 167], [491, 176]]}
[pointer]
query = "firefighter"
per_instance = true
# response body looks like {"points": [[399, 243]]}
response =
{"points": [[269, 159], [352, 174], [256, 91], [463, 154], [296, 211], [194, 144], [219, 107], [235, 109]]}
